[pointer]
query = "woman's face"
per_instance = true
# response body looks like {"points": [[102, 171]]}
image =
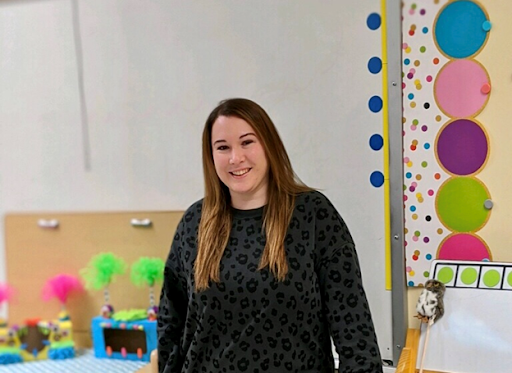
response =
{"points": [[240, 162]]}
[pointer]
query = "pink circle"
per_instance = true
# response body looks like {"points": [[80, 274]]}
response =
{"points": [[457, 88], [429, 78], [430, 192], [463, 246], [414, 238], [405, 45], [408, 269], [406, 159]]}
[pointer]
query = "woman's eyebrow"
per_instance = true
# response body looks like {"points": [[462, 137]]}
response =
{"points": [[219, 141], [247, 134]]}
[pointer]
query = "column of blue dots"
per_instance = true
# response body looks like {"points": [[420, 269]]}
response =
{"points": [[375, 102]]}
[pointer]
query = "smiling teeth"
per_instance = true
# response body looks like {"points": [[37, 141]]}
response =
{"points": [[241, 172]]}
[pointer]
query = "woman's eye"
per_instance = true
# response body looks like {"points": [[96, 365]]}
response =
{"points": [[247, 142], [222, 147]]}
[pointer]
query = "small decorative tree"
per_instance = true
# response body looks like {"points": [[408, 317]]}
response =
{"points": [[146, 272], [100, 273], [6, 293], [60, 287]]}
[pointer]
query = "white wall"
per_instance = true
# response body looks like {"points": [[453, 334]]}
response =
{"points": [[153, 70]]}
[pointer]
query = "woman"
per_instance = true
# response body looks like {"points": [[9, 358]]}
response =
{"points": [[263, 271]]}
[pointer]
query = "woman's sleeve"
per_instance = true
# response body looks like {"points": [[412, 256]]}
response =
{"points": [[344, 299], [172, 310]]}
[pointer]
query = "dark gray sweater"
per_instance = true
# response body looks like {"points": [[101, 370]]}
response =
{"points": [[250, 322]]}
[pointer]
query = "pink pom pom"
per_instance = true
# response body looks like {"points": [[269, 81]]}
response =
{"points": [[61, 286], [6, 293]]}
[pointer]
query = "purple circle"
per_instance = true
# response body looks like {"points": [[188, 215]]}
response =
{"points": [[462, 147]]}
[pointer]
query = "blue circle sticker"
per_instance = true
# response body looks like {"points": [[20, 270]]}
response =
{"points": [[375, 104], [377, 179], [376, 142], [375, 65], [373, 21]]}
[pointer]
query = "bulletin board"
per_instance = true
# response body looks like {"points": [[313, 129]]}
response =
{"points": [[120, 90], [456, 89]]}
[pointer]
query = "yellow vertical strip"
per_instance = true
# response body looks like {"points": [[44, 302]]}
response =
{"points": [[385, 136]]}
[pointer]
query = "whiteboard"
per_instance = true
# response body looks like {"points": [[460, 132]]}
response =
{"points": [[103, 104], [472, 336]]}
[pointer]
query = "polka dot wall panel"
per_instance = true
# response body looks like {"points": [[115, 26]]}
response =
{"points": [[446, 145]]}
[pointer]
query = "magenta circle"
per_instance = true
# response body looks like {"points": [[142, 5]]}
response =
{"points": [[463, 246], [457, 88], [462, 147]]}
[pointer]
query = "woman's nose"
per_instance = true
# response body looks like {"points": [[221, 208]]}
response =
{"points": [[237, 156]]}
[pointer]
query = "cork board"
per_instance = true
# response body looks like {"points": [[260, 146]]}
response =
{"points": [[35, 254]]}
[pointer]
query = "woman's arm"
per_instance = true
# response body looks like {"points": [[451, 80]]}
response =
{"points": [[344, 299], [172, 311]]}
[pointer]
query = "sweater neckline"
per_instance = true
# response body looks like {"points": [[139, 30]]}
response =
{"points": [[251, 213]]}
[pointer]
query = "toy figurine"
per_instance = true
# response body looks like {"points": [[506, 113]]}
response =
{"points": [[430, 304]]}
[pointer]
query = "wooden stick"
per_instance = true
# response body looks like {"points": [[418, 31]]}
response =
{"points": [[429, 324]]}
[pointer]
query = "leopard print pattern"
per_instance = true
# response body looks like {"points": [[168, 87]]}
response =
{"points": [[249, 321]]}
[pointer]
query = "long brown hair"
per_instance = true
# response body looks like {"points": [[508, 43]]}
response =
{"points": [[216, 217]]}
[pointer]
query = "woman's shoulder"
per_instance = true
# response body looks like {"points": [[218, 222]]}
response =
{"points": [[313, 198], [193, 212]]}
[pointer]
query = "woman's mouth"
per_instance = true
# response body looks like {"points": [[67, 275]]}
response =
{"points": [[240, 172]]}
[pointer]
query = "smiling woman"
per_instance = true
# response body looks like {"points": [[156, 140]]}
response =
{"points": [[263, 271], [240, 162]]}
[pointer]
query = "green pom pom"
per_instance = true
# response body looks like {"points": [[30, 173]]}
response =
{"points": [[101, 269], [130, 315], [147, 271]]}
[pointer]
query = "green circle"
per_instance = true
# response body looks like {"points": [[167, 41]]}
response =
{"points": [[445, 275], [468, 276], [460, 204], [509, 279], [491, 278]]}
